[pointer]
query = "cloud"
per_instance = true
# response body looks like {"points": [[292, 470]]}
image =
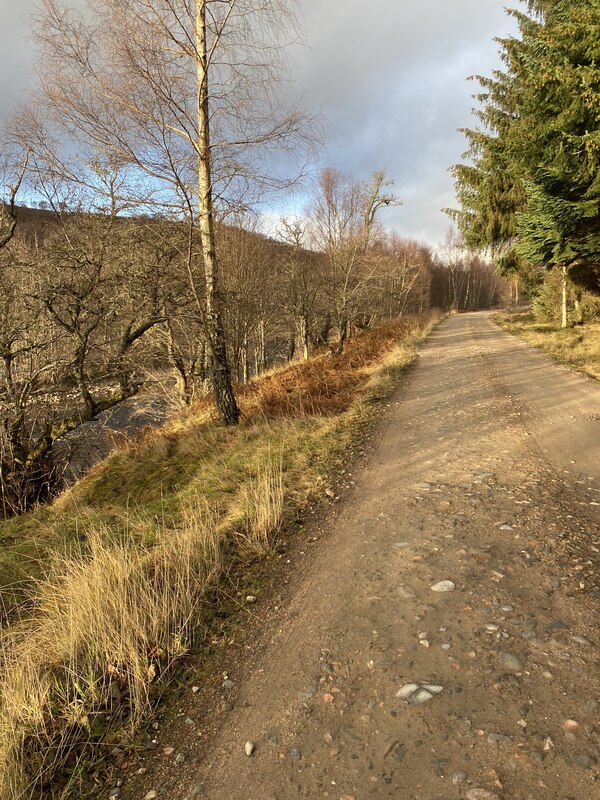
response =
{"points": [[390, 75]]}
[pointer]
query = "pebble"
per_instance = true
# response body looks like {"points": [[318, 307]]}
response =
{"points": [[114, 792], [251, 598], [506, 528], [583, 760], [179, 758], [295, 753], [249, 748], [481, 794], [570, 725], [422, 696], [228, 683], [328, 698], [581, 640], [459, 777], [151, 795], [405, 692], [555, 625], [443, 586], [511, 662], [498, 738], [416, 694], [446, 646]]}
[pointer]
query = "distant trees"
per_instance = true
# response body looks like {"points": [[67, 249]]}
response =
{"points": [[531, 192], [73, 309], [462, 280], [11, 183]]}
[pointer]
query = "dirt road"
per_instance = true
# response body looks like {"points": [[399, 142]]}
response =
{"points": [[374, 684]]}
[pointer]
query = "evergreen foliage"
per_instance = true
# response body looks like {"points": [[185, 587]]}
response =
{"points": [[530, 190]]}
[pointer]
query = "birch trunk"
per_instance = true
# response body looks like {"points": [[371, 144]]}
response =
{"points": [[564, 317], [215, 335], [261, 363], [304, 336]]}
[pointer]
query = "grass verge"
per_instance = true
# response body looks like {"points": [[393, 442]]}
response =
{"points": [[577, 347], [123, 569]]}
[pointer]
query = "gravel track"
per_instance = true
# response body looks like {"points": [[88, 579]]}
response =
{"points": [[369, 683]]}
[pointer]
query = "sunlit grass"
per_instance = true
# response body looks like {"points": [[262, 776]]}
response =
{"points": [[577, 347]]}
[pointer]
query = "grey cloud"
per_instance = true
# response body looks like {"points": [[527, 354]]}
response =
{"points": [[390, 75]]}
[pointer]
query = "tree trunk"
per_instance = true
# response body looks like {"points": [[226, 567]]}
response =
{"points": [[291, 348], [564, 318], [245, 360], [215, 335], [578, 310], [304, 336], [261, 358]]}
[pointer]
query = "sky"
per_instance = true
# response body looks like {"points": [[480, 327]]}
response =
{"points": [[389, 77]]}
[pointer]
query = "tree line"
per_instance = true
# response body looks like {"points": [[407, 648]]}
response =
{"points": [[529, 190], [94, 305]]}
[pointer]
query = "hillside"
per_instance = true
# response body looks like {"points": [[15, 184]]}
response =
{"points": [[122, 574]]}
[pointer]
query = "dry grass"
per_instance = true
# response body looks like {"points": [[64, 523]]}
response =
{"points": [[261, 501], [577, 347], [116, 601], [108, 621]]}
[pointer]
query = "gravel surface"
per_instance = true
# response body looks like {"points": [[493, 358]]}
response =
{"points": [[442, 639]]}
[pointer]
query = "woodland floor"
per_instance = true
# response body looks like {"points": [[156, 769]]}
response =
{"points": [[485, 473]]}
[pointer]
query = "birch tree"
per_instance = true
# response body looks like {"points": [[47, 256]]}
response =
{"points": [[342, 221], [186, 97]]}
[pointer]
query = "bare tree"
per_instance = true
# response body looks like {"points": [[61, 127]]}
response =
{"points": [[304, 280], [8, 215], [343, 219], [185, 97]]}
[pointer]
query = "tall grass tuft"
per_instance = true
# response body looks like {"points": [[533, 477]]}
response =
{"points": [[262, 503], [107, 622]]}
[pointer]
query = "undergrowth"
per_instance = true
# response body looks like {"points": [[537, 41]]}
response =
{"points": [[577, 347], [104, 590]]}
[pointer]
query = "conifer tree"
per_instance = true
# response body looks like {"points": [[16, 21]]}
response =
{"points": [[532, 190]]}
